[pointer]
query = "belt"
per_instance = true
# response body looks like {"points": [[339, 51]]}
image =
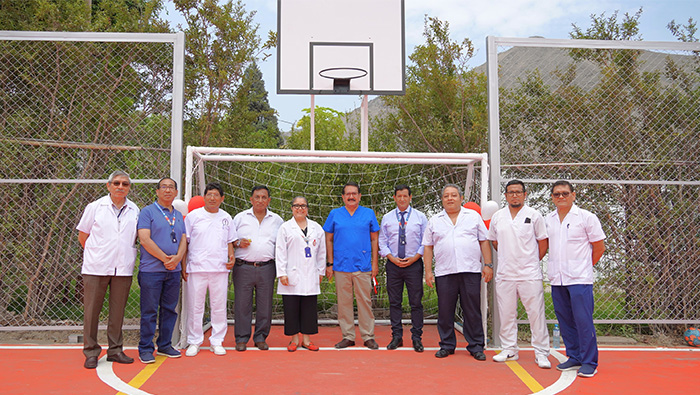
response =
{"points": [[256, 264]]}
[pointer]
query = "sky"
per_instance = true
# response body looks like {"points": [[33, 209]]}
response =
{"points": [[475, 20]]}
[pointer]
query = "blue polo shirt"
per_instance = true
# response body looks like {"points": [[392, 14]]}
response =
{"points": [[352, 246], [152, 218]]}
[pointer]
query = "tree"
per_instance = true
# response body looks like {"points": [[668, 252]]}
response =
{"points": [[222, 40], [250, 118], [329, 132], [632, 125], [444, 108]]}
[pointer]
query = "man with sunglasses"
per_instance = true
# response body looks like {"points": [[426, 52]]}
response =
{"points": [[107, 232], [161, 231], [519, 234], [576, 243]]}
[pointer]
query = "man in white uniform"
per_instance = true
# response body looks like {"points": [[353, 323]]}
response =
{"points": [[107, 232], [576, 243], [458, 238], [255, 268], [210, 234], [519, 234]]}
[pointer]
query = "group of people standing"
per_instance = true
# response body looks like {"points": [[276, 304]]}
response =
{"points": [[258, 246]]}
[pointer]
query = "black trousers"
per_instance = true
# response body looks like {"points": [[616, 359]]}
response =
{"points": [[412, 277], [467, 288], [300, 314]]}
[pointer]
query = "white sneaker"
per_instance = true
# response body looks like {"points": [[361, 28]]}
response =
{"points": [[506, 356], [192, 350], [543, 361], [218, 350]]}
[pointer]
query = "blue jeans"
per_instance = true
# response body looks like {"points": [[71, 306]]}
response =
{"points": [[159, 291], [573, 305]]}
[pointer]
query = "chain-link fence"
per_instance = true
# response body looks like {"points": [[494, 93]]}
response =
{"points": [[621, 120], [73, 108], [238, 170]]}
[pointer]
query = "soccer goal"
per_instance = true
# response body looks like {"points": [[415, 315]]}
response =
{"points": [[320, 175]]}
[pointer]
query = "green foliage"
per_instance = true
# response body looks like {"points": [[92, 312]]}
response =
{"points": [[222, 40], [444, 109], [329, 132]]}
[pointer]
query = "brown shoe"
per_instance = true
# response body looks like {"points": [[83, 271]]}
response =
{"points": [[262, 345], [371, 344], [90, 362], [120, 358], [240, 347], [344, 343]]}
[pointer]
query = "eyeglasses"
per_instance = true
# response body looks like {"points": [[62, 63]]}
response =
{"points": [[515, 193], [300, 206], [124, 184], [167, 187], [561, 194]]}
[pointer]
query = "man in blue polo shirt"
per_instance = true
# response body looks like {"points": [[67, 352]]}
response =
{"points": [[161, 231], [352, 234]]}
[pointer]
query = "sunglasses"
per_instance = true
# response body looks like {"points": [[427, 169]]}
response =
{"points": [[561, 194], [121, 183]]}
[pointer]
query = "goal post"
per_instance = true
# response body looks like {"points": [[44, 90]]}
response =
{"points": [[320, 176]]}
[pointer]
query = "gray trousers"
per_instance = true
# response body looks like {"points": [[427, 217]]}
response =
{"points": [[95, 290], [246, 279]]}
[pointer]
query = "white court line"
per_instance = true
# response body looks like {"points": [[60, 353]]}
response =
{"points": [[106, 374], [565, 378]]}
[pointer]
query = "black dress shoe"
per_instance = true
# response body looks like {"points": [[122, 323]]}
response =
{"points": [[442, 353], [417, 345], [395, 343], [120, 358], [262, 345], [479, 356], [240, 347], [344, 343], [371, 344], [90, 362]]}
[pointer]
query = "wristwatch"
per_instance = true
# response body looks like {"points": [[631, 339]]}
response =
{"points": [[329, 264], [489, 265]]}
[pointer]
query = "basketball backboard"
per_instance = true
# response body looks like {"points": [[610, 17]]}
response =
{"points": [[341, 47]]}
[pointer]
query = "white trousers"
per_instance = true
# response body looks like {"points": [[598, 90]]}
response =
{"points": [[531, 294], [197, 285]]}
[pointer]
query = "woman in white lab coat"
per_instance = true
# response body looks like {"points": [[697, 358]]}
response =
{"points": [[300, 257]]}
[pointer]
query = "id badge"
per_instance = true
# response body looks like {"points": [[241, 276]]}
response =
{"points": [[172, 237], [307, 252]]}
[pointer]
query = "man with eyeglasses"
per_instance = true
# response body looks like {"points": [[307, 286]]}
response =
{"points": [[400, 240], [107, 233], [576, 243], [519, 235], [254, 270], [352, 234], [161, 231]]}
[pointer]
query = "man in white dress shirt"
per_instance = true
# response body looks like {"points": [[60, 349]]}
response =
{"points": [[107, 232], [400, 237], [576, 244], [519, 234], [458, 238], [255, 268]]}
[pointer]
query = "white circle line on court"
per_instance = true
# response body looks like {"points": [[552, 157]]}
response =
{"points": [[106, 374], [565, 378]]}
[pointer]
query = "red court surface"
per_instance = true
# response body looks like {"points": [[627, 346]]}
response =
{"points": [[58, 370]]}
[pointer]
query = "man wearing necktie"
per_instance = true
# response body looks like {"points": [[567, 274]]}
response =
{"points": [[400, 238]]}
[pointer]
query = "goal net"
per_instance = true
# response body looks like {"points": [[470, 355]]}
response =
{"points": [[319, 176]]}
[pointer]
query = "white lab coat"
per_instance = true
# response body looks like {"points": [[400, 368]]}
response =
{"points": [[302, 272]]}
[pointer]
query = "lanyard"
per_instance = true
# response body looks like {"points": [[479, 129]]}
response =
{"points": [[170, 222], [402, 225]]}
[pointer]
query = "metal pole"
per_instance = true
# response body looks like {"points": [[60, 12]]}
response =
{"points": [[178, 108], [494, 153], [312, 130], [364, 125]]}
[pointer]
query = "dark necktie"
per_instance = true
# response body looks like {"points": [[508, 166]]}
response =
{"points": [[402, 236]]}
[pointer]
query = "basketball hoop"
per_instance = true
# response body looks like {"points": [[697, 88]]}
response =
{"points": [[341, 77]]}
